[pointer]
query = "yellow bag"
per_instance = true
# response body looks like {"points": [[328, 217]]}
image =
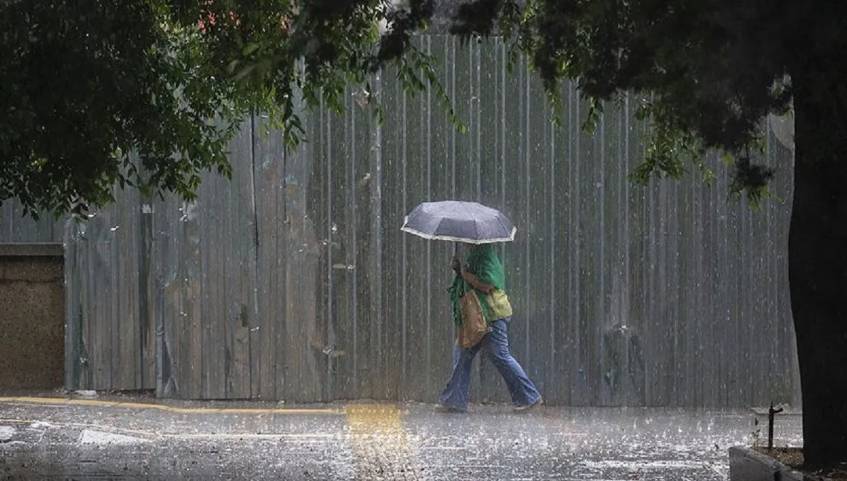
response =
{"points": [[473, 327], [501, 308]]}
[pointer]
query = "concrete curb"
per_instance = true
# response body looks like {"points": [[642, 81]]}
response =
{"points": [[32, 249], [746, 464]]}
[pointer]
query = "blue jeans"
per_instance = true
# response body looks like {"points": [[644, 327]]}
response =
{"points": [[496, 345]]}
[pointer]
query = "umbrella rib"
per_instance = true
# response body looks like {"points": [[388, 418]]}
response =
{"points": [[509, 232]]}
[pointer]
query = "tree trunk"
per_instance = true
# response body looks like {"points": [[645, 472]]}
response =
{"points": [[818, 259]]}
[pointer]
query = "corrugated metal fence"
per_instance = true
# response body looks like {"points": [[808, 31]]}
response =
{"points": [[293, 281]]}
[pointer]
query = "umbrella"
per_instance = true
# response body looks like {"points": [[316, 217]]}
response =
{"points": [[456, 221]]}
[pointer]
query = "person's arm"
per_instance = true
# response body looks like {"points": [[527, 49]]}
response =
{"points": [[475, 282]]}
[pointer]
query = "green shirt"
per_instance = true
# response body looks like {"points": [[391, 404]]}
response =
{"points": [[484, 263]]}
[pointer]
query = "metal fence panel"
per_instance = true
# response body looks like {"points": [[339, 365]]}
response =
{"points": [[292, 281], [108, 336], [15, 227]]}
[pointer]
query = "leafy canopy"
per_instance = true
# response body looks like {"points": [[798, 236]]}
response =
{"points": [[99, 93], [148, 92]]}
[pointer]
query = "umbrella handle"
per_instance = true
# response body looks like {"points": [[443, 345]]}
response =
{"points": [[456, 253]]}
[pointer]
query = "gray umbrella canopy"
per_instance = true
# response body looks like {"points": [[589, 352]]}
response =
{"points": [[456, 221]]}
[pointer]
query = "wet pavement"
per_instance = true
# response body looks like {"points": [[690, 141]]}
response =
{"points": [[127, 438]]}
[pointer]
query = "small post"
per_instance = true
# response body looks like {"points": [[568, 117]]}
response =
{"points": [[771, 413]]}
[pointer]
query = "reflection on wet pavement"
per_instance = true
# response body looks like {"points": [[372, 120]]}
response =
{"points": [[124, 440]]}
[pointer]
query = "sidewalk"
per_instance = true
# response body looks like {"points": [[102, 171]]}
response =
{"points": [[131, 438]]}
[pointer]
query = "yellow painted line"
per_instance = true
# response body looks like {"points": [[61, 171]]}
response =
{"points": [[57, 401]]}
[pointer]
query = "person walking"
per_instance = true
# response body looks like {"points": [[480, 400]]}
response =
{"points": [[484, 274]]}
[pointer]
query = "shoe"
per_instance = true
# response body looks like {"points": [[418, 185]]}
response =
{"points": [[523, 409]]}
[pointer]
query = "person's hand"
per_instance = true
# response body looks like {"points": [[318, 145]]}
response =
{"points": [[456, 266]]}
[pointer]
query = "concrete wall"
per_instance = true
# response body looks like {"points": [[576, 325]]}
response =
{"points": [[32, 301]]}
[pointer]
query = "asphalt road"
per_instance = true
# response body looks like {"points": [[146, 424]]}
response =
{"points": [[125, 438]]}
